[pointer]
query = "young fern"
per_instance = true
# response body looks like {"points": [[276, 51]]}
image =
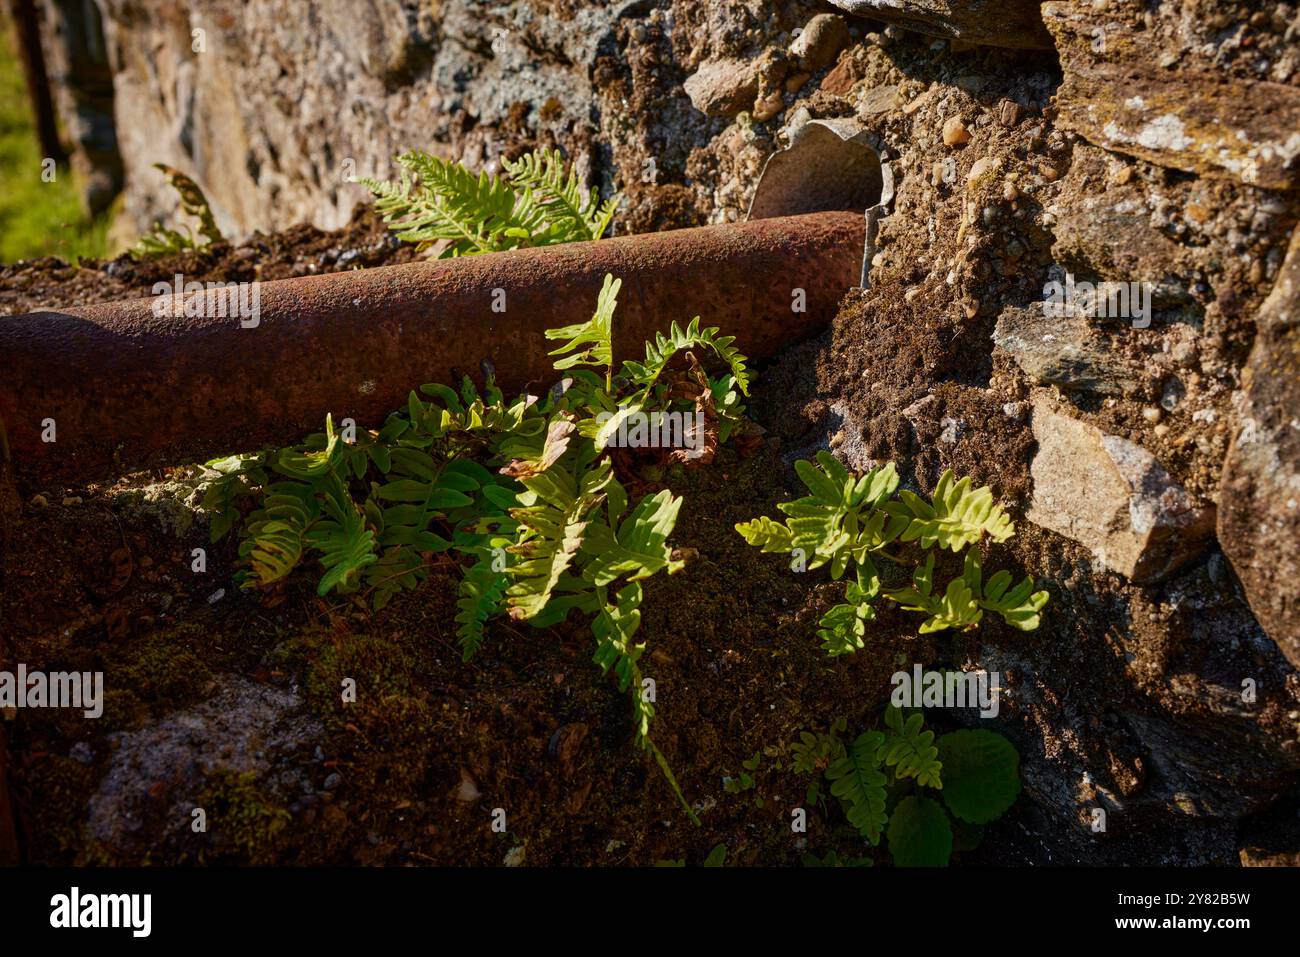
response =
{"points": [[517, 496], [846, 519], [535, 203], [973, 775], [161, 241]]}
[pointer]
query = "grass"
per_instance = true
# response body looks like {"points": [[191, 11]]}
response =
{"points": [[36, 218]]}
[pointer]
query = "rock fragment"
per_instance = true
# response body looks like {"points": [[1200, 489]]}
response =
{"points": [[1259, 514], [1112, 497], [1003, 23], [1061, 350], [722, 87], [823, 37]]}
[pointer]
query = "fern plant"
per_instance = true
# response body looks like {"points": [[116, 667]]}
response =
{"points": [[847, 519], [537, 201], [879, 779], [161, 241], [518, 497]]}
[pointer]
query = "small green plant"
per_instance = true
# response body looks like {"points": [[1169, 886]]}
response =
{"points": [[884, 780], [847, 519], [161, 241], [521, 498], [536, 202], [746, 781]]}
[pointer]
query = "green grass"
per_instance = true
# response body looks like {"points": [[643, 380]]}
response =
{"points": [[36, 218]]}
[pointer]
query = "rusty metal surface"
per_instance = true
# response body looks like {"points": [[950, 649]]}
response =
{"points": [[128, 389]]}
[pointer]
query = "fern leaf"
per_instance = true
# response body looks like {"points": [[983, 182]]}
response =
{"points": [[859, 784], [273, 542], [843, 628], [345, 544], [439, 201], [661, 351], [595, 338], [1019, 606], [480, 595], [769, 535], [162, 241], [957, 517], [552, 522], [571, 215], [638, 549], [909, 750]]}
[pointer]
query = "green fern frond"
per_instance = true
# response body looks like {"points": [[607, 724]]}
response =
{"points": [[480, 595], [273, 542], [843, 628], [910, 751], [957, 516], [552, 521], [847, 519], [859, 784], [439, 201], [161, 241], [595, 337], [536, 203], [661, 351], [767, 534], [1019, 606], [572, 212], [638, 548], [956, 609], [829, 523], [345, 544]]}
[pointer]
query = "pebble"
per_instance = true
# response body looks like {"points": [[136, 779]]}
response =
{"points": [[768, 107], [822, 37], [955, 132], [40, 501], [1151, 414], [332, 781], [1009, 192]]}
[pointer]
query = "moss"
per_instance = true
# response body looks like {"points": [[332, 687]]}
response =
{"points": [[57, 789], [243, 820]]}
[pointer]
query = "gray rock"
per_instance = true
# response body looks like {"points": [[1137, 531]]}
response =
{"points": [[1061, 350], [145, 800], [1112, 497], [1259, 501]]}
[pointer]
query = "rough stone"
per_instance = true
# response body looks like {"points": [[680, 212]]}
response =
{"points": [[1112, 497], [722, 87], [823, 37], [1061, 350], [1000, 23], [1116, 94], [158, 773], [1259, 513]]}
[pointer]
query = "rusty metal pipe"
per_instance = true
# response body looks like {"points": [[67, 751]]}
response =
{"points": [[126, 388]]}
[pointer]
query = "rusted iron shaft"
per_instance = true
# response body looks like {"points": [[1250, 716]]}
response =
{"points": [[126, 388]]}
